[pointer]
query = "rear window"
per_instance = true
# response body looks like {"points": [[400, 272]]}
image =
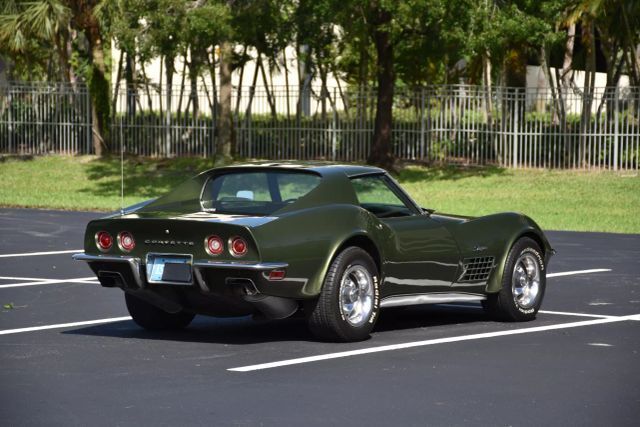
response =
{"points": [[255, 193]]}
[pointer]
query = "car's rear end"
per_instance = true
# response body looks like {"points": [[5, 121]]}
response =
{"points": [[200, 262], [196, 248]]}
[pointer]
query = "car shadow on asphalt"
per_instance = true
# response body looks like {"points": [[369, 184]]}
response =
{"points": [[245, 330]]}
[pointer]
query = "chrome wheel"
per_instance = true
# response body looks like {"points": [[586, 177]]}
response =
{"points": [[356, 295], [525, 282]]}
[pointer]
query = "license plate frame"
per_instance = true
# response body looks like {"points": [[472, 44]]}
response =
{"points": [[157, 272]]}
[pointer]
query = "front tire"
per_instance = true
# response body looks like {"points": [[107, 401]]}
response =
{"points": [[349, 303], [153, 318], [523, 284]]}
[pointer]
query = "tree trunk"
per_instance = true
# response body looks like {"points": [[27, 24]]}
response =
{"points": [[363, 78], [488, 104], [589, 83], [544, 62], [568, 57], [168, 95], [252, 91], [632, 49], [240, 81], [211, 63], [194, 66], [181, 93], [286, 81], [270, 100], [345, 103], [71, 35], [99, 90], [116, 85], [226, 143], [304, 83], [323, 91], [146, 87], [129, 78], [98, 80], [381, 154]]}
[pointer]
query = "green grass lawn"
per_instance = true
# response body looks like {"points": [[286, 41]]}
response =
{"points": [[557, 200]]}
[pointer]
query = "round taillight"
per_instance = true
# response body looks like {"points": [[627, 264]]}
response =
{"points": [[214, 245], [104, 241], [238, 247], [126, 241]]}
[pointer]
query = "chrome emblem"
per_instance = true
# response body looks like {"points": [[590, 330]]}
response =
{"points": [[166, 231], [168, 242]]}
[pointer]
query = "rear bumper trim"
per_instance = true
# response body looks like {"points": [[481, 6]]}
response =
{"points": [[198, 265], [134, 263], [259, 266]]}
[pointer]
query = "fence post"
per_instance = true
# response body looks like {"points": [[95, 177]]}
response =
{"points": [[615, 129]]}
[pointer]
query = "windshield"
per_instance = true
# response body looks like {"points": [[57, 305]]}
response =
{"points": [[255, 193]]}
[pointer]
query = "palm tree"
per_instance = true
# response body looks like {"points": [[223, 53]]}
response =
{"points": [[51, 23], [45, 23]]}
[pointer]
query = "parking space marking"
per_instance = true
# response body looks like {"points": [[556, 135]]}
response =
{"points": [[557, 313], [571, 273], [566, 313], [27, 279], [73, 251], [392, 347], [37, 282], [64, 325]]}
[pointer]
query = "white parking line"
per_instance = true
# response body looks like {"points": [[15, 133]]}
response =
{"points": [[73, 251], [27, 279], [557, 313], [565, 313], [64, 325], [571, 273], [36, 282], [392, 347]]}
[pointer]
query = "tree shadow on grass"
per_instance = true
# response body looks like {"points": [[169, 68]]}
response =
{"points": [[16, 157], [244, 330], [448, 173], [143, 177]]}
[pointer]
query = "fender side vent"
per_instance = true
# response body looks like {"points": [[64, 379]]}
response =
{"points": [[477, 269]]}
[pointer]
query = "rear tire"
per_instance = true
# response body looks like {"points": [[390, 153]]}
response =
{"points": [[153, 318], [523, 284], [349, 303]]}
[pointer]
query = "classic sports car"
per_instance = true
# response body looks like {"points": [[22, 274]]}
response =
{"points": [[336, 243]]}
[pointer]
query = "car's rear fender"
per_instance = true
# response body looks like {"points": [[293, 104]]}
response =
{"points": [[308, 240]]}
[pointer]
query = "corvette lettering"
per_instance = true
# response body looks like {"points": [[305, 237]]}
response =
{"points": [[168, 242]]}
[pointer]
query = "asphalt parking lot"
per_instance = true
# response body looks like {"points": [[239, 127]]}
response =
{"points": [[69, 355]]}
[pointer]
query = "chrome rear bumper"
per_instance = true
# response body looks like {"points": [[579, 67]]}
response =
{"points": [[135, 265]]}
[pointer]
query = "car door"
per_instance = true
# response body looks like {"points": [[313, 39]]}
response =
{"points": [[421, 256]]}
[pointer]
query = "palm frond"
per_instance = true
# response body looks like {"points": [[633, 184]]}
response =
{"points": [[45, 18]]}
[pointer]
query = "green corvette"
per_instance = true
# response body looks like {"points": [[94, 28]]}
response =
{"points": [[336, 243]]}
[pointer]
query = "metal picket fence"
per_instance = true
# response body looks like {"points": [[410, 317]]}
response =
{"points": [[452, 124]]}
